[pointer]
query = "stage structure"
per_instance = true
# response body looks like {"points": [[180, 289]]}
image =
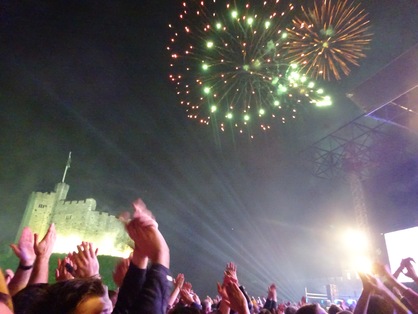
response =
{"points": [[75, 221], [389, 102]]}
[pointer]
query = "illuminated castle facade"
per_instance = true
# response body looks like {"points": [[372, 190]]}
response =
{"points": [[75, 221]]}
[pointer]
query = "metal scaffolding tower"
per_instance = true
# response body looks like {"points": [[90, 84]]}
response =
{"points": [[389, 100]]}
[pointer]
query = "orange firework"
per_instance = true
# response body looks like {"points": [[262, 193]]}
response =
{"points": [[328, 38]]}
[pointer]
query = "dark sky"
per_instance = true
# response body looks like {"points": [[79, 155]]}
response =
{"points": [[91, 77]]}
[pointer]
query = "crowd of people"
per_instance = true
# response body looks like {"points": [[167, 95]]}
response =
{"points": [[145, 285]]}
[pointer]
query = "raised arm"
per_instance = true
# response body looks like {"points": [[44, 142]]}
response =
{"points": [[178, 284], [155, 292], [271, 301], [407, 293], [43, 251], [152, 296], [236, 298], [363, 301], [25, 252], [120, 270]]}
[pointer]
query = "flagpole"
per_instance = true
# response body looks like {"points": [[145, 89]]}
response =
{"points": [[66, 167]]}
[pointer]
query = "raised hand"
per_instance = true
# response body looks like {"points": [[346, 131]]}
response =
{"points": [[24, 249], [407, 261], [223, 293], [237, 300], [120, 271], [409, 270], [231, 270], [61, 272], [149, 241], [222, 289], [179, 281], [195, 297], [178, 285], [43, 250], [142, 213], [45, 247], [85, 260], [186, 296], [272, 292], [367, 286]]}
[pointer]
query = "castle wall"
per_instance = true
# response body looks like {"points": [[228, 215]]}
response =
{"points": [[38, 212], [75, 221]]}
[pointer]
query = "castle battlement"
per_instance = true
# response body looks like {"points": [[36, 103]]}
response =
{"points": [[44, 193], [75, 221], [90, 201]]}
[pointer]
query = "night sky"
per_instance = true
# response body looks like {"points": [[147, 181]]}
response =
{"points": [[91, 77]]}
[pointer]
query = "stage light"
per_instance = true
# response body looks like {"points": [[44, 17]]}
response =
{"points": [[362, 264], [357, 241]]}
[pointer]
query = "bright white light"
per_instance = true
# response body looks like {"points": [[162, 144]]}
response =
{"points": [[362, 264], [356, 240], [105, 244]]}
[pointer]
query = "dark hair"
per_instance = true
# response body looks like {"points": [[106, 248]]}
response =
{"points": [[334, 309], [307, 309], [184, 310], [25, 300], [64, 296], [290, 310]]}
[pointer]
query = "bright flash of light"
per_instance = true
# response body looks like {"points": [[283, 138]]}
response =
{"points": [[244, 74], [328, 38], [356, 241], [362, 264]]}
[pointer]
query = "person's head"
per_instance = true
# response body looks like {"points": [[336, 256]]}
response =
{"points": [[206, 306], [76, 296], [25, 300], [342, 305], [184, 310], [334, 309], [378, 305], [311, 309], [290, 310]]}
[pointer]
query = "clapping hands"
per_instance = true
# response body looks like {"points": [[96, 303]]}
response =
{"points": [[85, 261], [230, 291], [143, 230]]}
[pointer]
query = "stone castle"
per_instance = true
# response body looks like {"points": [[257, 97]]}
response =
{"points": [[75, 221]]}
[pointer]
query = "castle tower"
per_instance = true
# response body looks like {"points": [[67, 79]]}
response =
{"points": [[75, 221]]}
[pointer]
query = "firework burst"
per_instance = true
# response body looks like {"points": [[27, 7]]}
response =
{"points": [[228, 68], [327, 39]]}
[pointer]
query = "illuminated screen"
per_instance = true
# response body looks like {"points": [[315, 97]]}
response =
{"points": [[402, 244]]}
